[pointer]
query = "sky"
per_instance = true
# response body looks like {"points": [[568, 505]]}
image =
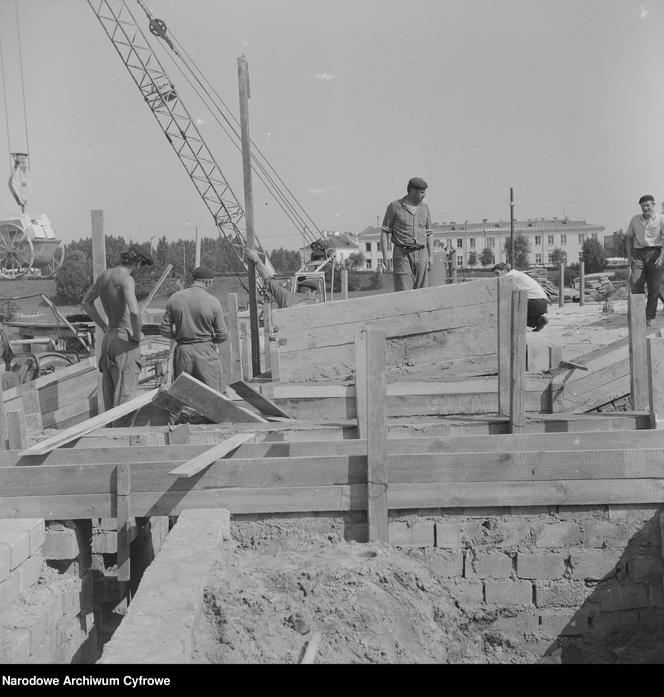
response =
{"points": [[349, 99]]}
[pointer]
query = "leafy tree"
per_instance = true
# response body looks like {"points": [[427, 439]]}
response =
{"points": [[285, 260], [521, 251], [558, 257], [487, 257], [472, 259], [355, 261], [594, 256], [74, 277], [8, 310], [620, 243]]}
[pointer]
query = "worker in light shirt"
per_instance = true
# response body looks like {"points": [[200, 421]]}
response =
{"points": [[538, 302]]}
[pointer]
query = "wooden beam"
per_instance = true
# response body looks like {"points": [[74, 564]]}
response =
{"points": [[81, 429], [638, 363], [245, 340], [582, 283], [251, 396], [344, 284], [504, 333], [518, 360], [377, 477], [561, 285], [234, 338], [16, 430], [123, 506], [200, 462], [655, 353], [179, 435], [361, 379], [267, 333]]}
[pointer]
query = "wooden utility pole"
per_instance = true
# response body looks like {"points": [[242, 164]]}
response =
{"points": [[243, 78], [511, 227], [561, 286], [197, 254]]}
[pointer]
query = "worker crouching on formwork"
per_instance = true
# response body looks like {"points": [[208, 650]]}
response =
{"points": [[538, 302]]}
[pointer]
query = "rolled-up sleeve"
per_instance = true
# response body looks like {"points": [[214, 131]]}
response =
{"points": [[220, 331], [388, 220]]}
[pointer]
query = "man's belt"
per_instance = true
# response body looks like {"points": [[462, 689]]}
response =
{"points": [[409, 247]]}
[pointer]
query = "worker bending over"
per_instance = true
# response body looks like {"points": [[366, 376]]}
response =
{"points": [[538, 302], [195, 320], [307, 290], [120, 355]]}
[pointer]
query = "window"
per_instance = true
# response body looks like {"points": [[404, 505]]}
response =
{"points": [[368, 263], [378, 246], [582, 239], [459, 244], [490, 241], [594, 235], [550, 258], [549, 239], [459, 261], [538, 258], [538, 239], [563, 239], [367, 246], [472, 243]]}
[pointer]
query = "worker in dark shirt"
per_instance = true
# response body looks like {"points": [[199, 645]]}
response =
{"points": [[195, 320], [307, 289]]}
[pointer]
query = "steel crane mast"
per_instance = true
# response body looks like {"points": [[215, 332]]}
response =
{"points": [[174, 120]]}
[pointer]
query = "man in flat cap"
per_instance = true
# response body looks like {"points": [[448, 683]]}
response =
{"points": [[120, 355], [407, 224], [195, 320], [645, 253], [308, 290]]}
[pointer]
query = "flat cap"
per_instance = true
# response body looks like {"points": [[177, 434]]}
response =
{"points": [[417, 183], [647, 197], [202, 272], [135, 254]]}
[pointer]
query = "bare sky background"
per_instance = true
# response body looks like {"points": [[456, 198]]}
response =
{"points": [[561, 100]]}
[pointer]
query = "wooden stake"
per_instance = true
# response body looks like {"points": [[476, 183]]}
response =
{"points": [[344, 284], [17, 439], [123, 484], [655, 382], [234, 338], [377, 506], [361, 380], [638, 362], [504, 294], [582, 284], [246, 351], [267, 330], [561, 286], [518, 360]]}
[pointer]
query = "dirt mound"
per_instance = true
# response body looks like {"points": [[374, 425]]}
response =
{"points": [[372, 604]]}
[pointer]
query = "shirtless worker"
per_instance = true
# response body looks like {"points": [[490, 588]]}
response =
{"points": [[120, 356], [195, 320]]}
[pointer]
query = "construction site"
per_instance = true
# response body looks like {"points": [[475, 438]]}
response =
{"points": [[388, 478]]}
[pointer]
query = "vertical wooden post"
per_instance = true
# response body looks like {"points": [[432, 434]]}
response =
{"points": [[638, 362], [656, 384], [504, 294], [123, 494], [344, 284], [561, 286], [234, 338], [582, 284], [267, 331], [555, 356], [98, 265], [454, 267], [361, 380], [17, 439], [245, 95], [197, 252], [377, 475], [179, 435], [247, 351], [518, 360]]}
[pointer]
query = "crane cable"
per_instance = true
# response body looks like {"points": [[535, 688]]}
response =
{"points": [[4, 97], [20, 58]]}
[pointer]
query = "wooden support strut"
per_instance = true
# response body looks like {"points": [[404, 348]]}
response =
{"points": [[504, 295], [656, 386], [518, 360], [638, 364], [123, 494]]}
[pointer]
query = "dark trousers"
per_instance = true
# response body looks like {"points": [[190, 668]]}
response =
{"points": [[410, 268], [536, 308], [644, 272], [201, 361]]}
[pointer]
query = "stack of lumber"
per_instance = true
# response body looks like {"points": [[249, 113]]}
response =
{"points": [[598, 286], [541, 277]]}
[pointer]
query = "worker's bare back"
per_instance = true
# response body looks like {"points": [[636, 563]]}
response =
{"points": [[116, 289]]}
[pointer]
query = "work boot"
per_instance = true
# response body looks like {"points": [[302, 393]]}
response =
{"points": [[542, 321], [649, 323]]}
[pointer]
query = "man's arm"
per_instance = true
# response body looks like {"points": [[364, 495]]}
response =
{"points": [[166, 325], [89, 306], [386, 234], [128, 288], [429, 238], [220, 331], [660, 260], [252, 254]]}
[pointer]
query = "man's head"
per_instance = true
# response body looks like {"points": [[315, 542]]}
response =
{"points": [[135, 257], [500, 269], [202, 276], [647, 203], [416, 189]]}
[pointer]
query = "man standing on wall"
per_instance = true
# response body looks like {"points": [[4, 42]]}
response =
{"points": [[120, 356], [645, 254], [407, 224], [195, 320]]}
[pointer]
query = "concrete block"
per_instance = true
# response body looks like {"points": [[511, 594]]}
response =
{"points": [[604, 533], [594, 565], [444, 564], [70, 598], [458, 535], [554, 623], [16, 535], [60, 544], [577, 513], [10, 590], [609, 622], [644, 568], [37, 532], [488, 565], [510, 533], [29, 572], [561, 593], [467, 591], [540, 565], [5, 561], [32, 618], [506, 593], [520, 625], [555, 535], [417, 534], [45, 652], [622, 597], [14, 645], [632, 513]]}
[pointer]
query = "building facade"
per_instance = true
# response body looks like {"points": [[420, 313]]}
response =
{"points": [[470, 240]]}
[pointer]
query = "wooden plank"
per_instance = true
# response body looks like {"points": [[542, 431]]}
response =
{"points": [[234, 338], [4, 433], [593, 389], [267, 333], [655, 359], [504, 333], [17, 439], [344, 284], [77, 431], [518, 360], [200, 462], [636, 322], [253, 397], [72, 414], [213, 405], [377, 477], [179, 435], [123, 508], [245, 341], [361, 379], [582, 283]]}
